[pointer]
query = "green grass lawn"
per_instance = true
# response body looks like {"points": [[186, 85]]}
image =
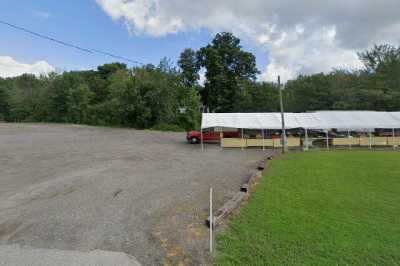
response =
{"points": [[320, 208]]}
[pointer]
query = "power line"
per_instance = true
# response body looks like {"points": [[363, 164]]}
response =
{"points": [[70, 45]]}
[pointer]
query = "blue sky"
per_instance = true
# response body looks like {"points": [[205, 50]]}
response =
{"points": [[84, 23]]}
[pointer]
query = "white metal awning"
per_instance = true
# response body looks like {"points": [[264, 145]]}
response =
{"points": [[314, 120]]}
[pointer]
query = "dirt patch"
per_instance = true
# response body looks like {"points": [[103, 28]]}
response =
{"points": [[8, 228]]}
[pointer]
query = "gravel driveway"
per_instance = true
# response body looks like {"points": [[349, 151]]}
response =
{"points": [[83, 188]]}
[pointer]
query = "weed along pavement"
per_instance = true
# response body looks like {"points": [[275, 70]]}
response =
{"points": [[144, 193]]}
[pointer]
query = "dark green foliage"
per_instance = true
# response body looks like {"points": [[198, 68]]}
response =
{"points": [[227, 68], [167, 127], [107, 70], [4, 99], [149, 96], [190, 67], [258, 97], [114, 95], [26, 98], [381, 58]]}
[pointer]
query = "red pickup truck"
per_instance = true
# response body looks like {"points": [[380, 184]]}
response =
{"points": [[194, 137]]}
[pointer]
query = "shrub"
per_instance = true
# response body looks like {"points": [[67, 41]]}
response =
{"points": [[167, 127]]}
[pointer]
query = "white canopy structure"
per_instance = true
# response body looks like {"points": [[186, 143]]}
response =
{"points": [[315, 120], [396, 115]]}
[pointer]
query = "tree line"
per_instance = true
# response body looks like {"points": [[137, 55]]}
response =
{"points": [[113, 95], [375, 87], [169, 97]]}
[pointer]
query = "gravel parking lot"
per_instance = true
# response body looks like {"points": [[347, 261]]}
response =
{"points": [[83, 188]]}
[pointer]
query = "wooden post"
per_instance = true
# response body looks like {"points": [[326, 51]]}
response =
{"points": [[283, 135]]}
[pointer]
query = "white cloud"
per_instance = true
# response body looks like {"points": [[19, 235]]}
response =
{"points": [[11, 68], [299, 36], [292, 54]]}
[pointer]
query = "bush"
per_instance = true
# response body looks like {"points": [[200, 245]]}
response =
{"points": [[167, 127]]}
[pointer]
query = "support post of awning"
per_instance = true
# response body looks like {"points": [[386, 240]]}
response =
{"points": [[263, 140], [221, 139], [327, 139], [201, 139], [242, 139], [370, 139], [393, 139], [306, 140], [349, 138]]}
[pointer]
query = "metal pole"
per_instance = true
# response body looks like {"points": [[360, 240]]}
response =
{"points": [[221, 139], [211, 220], [283, 136], [327, 139], [394, 139], [306, 134], [201, 139], [263, 142], [348, 136], [242, 139], [370, 139]]}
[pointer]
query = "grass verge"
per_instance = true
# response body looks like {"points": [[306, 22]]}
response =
{"points": [[320, 208]]}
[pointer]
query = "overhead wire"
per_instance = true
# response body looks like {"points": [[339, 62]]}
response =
{"points": [[68, 44]]}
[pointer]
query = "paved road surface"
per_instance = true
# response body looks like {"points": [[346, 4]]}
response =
{"points": [[16, 255]]}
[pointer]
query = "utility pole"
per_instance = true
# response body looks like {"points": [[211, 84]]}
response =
{"points": [[283, 135]]}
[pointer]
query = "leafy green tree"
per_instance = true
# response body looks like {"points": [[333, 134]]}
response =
{"points": [[149, 96], [382, 64], [227, 66], [62, 98], [308, 93], [189, 65], [78, 100], [25, 98], [258, 97], [106, 70], [380, 58], [4, 100]]}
